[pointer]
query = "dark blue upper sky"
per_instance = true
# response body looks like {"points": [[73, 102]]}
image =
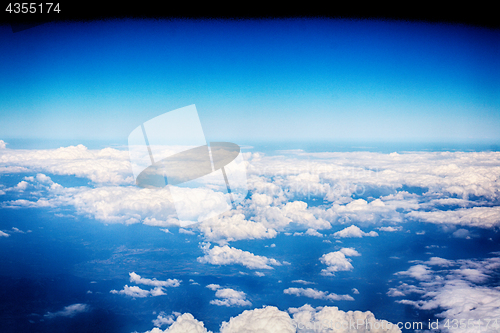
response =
{"points": [[253, 80]]}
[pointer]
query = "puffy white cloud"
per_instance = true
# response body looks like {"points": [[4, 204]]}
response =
{"points": [[21, 186], [69, 311], [419, 272], [230, 297], [183, 324], [137, 292], [350, 252], [234, 226], [163, 319], [331, 319], [297, 211], [268, 319], [226, 255], [302, 282], [354, 231], [317, 294], [157, 291], [153, 282], [437, 261], [3, 234], [213, 286], [312, 232], [337, 261], [2, 144]]}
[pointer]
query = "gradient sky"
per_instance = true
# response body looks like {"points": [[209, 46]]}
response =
{"points": [[253, 80]]}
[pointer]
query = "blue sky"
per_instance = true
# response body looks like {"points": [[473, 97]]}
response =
{"points": [[287, 80]]}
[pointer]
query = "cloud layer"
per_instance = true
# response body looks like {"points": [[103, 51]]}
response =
{"points": [[456, 188]]}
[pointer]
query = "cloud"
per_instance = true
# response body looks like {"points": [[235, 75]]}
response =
{"points": [[110, 204], [279, 187], [437, 261], [458, 288], [184, 323], [3, 234], [69, 311], [233, 226], [390, 229], [331, 319], [153, 282], [21, 186], [163, 319], [303, 282], [213, 286], [137, 292], [268, 319], [350, 252], [16, 230], [462, 233], [226, 255], [186, 231], [482, 217], [337, 261], [312, 232], [316, 294], [404, 289], [2, 144], [419, 272], [354, 232], [106, 166], [230, 297]]}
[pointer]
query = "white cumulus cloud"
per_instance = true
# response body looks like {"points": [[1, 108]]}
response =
{"points": [[268, 319], [230, 297], [137, 279], [183, 324], [337, 261], [354, 232], [317, 294], [225, 255]]}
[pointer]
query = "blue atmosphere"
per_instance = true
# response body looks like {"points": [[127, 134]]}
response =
{"points": [[254, 80]]}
